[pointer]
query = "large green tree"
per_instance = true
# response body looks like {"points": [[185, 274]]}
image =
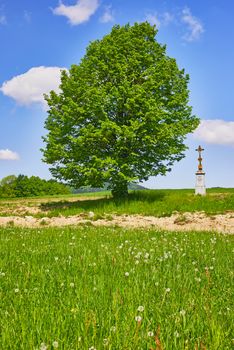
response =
{"points": [[121, 115]]}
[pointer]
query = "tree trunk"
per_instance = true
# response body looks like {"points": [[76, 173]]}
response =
{"points": [[119, 190]]}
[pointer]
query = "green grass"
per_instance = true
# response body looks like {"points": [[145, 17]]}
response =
{"points": [[149, 202], [82, 288]]}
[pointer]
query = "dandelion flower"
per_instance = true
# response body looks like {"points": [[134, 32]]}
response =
{"points": [[141, 308], [43, 346], [138, 318], [105, 342]]}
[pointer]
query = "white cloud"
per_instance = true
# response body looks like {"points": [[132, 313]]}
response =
{"points": [[6, 154], [3, 19], [167, 18], [29, 87], [162, 19], [78, 13], [195, 27], [153, 19], [216, 131], [108, 15]]}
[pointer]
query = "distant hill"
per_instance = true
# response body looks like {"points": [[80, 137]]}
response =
{"points": [[88, 189]]}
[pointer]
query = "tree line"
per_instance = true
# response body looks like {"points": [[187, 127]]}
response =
{"points": [[23, 186]]}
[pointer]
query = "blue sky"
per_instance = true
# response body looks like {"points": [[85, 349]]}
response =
{"points": [[38, 38]]}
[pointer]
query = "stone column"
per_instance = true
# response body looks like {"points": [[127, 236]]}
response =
{"points": [[200, 187], [200, 184]]}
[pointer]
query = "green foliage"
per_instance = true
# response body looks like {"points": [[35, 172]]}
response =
{"points": [[24, 186], [122, 114], [8, 180], [110, 288]]}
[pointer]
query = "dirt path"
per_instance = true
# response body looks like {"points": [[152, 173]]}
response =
{"points": [[223, 223]]}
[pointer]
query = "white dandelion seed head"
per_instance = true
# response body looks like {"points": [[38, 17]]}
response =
{"points": [[72, 285], [168, 290], [16, 290], [43, 346], [105, 342], [182, 312], [113, 329], [150, 334], [138, 318], [55, 344], [126, 274], [140, 308]]}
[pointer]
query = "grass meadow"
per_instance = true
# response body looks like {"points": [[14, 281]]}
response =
{"points": [[146, 202], [109, 288]]}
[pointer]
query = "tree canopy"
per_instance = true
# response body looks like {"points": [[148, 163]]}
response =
{"points": [[121, 115]]}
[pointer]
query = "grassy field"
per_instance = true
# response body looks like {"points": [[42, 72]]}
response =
{"points": [[109, 288], [147, 202]]}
